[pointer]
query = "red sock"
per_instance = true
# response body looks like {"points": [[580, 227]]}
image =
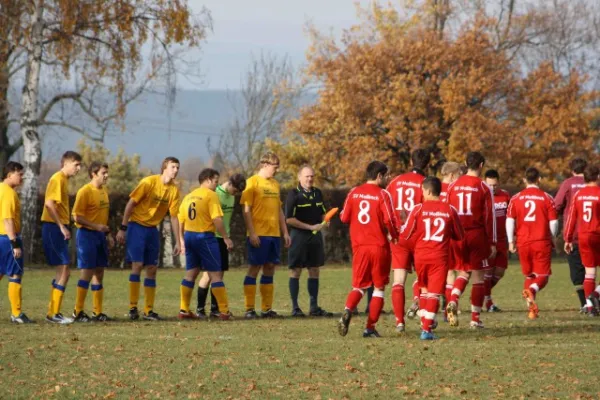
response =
{"points": [[489, 302], [477, 295], [528, 281], [459, 287], [431, 307], [495, 280], [423, 301], [416, 290], [375, 309], [354, 298], [398, 302], [589, 284], [487, 284], [541, 282]]}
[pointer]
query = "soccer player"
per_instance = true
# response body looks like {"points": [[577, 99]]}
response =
{"points": [[566, 191], [533, 212], [304, 212], [499, 263], [200, 215], [226, 192], [406, 192], [475, 204], [584, 216], [11, 253], [90, 213], [265, 223], [56, 232], [148, 204], [432, 225], [369, 211]]}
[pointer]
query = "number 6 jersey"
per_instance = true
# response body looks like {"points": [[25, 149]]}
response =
{"points": [[368, 209], [532, 209]]}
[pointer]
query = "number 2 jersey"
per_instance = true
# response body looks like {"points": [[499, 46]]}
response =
{"points": [[368, 209], [432, 225], [532, 209]]}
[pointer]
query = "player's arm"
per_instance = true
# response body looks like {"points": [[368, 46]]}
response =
{"points": [[53, 196], [181, 215], [458, 233], [409, 227], [11, 232], [135, 197], [174, 212], [490, 219], [389, 216], [569, 228], [510, 227], [284, 229], [560, 200]]}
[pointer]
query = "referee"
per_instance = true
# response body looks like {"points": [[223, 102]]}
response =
{"points": [[304, 212]]}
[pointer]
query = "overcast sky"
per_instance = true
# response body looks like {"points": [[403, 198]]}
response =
{"points": [[243, 27]]}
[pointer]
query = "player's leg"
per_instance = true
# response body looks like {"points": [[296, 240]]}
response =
{"points": [[151, 254], [57, 255], [87, 260], [462, 267], [137, 236], [577, 274], [256, 260], [450, 278], [83, 285], [13, 267], [433, 278], [477, 295], [312, 285], [380, 273], [398, 297], [203, 289], [97, 287], [267, 285], [214, 305], [294, 287], [527, 268], [211, 259], [361, 281], [193, 262], [589, 284]]}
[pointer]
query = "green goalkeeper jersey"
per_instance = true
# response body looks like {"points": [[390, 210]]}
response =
{"points": [[227, 203]]}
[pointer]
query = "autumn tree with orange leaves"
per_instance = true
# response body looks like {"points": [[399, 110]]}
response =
{"points": [[396, 84]]}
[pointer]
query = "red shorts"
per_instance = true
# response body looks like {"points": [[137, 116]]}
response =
{"points": [[370, 266], [471, 253], [501, 259], [402, 254], [589, 248], [432, 276], [535, 258]]}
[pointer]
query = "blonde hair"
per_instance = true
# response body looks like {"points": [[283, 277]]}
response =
{"points": [[450, 167], [269, 158]]}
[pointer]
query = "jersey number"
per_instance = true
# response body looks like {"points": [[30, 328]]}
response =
{"points": [[587, 211], [192, 211], [409, 196], [438, 236], [363, 215], [530, 206], [464, 209]]}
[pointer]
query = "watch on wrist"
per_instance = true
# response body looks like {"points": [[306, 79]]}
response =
{"points": [[15, 244], [123, 228]]}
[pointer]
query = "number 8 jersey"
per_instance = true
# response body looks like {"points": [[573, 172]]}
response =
{"points": [[532, 209], [368, 209]]}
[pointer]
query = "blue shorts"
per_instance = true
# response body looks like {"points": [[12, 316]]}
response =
{"points": [[143, 244], [202, 251], [9, 265], [92, 249], [267, 253], [55, 246]]}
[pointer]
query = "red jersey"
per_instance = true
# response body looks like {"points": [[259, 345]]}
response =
{"points": [[433, 224], [584, 214], [501, 200], [532, 209], [368, 209], [406, 192], [565, 194], [444, 192], [474, 202]]}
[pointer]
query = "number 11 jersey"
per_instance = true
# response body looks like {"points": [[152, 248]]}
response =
{"points": [[532, 209]]}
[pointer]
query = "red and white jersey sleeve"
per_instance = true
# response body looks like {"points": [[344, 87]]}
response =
{"points": [[444, 192], [432, 225], [501, 200], [368, 210], [532, 209], [475, 204], [583, 215], [406, 192]]}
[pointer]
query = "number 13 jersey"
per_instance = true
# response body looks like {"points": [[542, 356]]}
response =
{"points": [[532, 209], [406, 192], [368, 209]]}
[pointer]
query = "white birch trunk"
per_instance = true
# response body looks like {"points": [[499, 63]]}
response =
{"points": [[29, 131]]}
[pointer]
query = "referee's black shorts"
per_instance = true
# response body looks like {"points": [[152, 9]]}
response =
{"points": [[307, 250], [224, 254]]}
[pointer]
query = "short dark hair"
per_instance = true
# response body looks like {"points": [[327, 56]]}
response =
{"points": [[238, 181], [70, 156], [532, 175], [474, 160], [590, 173], [492, 174], [11, 166], [95, 167], [166, 162], [207, 173], [434, 184], [375, 168], [577, 165], [420, 158]]}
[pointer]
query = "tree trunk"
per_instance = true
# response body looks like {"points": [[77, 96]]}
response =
{"points": [[29, 131]]}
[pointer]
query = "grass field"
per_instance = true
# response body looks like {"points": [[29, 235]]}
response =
{"points": [[557, 356]]}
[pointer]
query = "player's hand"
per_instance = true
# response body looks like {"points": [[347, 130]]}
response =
{"points": [[493, 252], [316, 227], [176, 250], [182, 246], [254, 240], [568, 247], [512, 248], [66, 232], [229, 244], [121, 237], [111, 241], [17, 253], [287, 240], [102, 228]]}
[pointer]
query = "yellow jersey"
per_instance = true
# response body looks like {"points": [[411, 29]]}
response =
{"points": [[10, 207], [92, 204], [198, 209], [57, 190], [262, 195], [153, 199]]}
